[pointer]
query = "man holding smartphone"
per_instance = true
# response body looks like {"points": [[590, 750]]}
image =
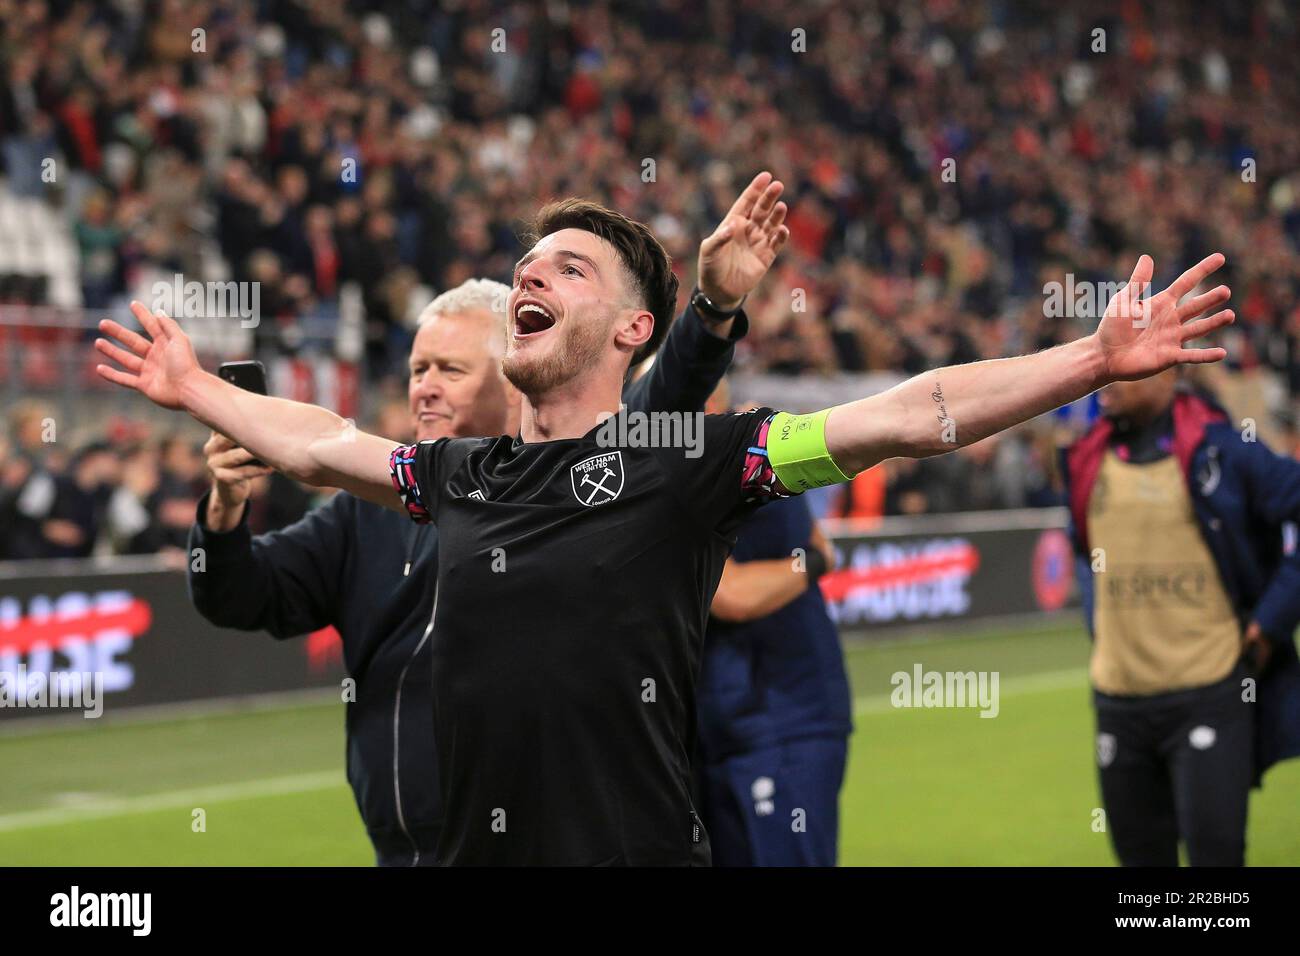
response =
{"points": [[368, 571]]}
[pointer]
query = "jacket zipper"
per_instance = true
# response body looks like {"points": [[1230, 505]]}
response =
{"points": [[397, 710], [410, 552]]}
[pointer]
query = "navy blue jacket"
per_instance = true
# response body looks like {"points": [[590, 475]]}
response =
{"points": [[780, 677], [371, 572], [1246, 500]]}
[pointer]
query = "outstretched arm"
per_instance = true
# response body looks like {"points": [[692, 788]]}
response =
{"points": [[305, 442], [942, 410]]}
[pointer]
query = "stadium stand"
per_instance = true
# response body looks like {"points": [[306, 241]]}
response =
{"points": [[352, 159]]}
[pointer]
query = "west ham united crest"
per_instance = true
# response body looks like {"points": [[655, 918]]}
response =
{"points": [[598, 479]]}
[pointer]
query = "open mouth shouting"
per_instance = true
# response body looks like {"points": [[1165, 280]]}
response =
{"points": [[532, 318]]}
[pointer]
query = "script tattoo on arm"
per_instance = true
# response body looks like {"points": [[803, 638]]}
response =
{"points": [[948, 426]]}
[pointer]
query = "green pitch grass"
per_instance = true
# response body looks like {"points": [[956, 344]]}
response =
{"points": [[924, 787]]}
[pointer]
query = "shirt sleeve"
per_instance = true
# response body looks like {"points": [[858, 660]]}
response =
{"points": [[731, 476], [288, 582], [687, 369], [414, 469]]}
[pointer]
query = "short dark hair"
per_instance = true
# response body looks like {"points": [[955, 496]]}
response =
{"points": [[646, 260]]}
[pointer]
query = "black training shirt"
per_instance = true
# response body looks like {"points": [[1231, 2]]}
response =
{"points": [[574, 582]]}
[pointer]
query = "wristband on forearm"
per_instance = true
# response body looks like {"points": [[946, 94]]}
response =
{"points": [[815, 564]]}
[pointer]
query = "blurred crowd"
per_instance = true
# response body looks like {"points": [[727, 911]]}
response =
{"points": [[130, 492], [945, 161]]}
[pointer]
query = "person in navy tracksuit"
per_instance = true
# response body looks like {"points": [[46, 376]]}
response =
{"points": [[1194, 667], [773, 700]]}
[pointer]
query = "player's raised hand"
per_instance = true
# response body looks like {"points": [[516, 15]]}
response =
{"points": [[157, 366], [742, 248], [1139, 337]]}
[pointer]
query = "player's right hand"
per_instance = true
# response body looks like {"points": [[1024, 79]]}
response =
{"points": [[156, 367], [232, 471]]}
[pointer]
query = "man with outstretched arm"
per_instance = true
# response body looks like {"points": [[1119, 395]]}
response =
{"points": [[370, 573], [574, 577]]}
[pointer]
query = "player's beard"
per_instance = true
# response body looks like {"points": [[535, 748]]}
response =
{"points": [[579, 347]]}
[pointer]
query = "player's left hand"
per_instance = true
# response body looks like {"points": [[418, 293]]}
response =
{"points": [[1139, 337], [736, 257]]}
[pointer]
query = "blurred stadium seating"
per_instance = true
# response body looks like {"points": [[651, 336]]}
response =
{"points": [[352, 159]]}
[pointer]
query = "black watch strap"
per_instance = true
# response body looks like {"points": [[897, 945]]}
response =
{"points": [[710, 312]]}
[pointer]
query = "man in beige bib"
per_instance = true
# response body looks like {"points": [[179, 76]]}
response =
{"points": [[1178, 522]]}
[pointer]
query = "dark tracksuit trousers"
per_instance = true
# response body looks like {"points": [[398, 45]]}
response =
{"points": [[777, 805], [1178, 766]]}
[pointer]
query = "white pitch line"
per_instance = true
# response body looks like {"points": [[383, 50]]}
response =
{"points": [[324, 780], [173, 799], [1011, 687]]}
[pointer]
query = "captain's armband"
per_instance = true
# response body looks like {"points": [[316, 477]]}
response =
{"points": [[796, 448]]}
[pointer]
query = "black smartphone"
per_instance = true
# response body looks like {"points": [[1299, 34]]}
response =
{"points": [[250, 376]]}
